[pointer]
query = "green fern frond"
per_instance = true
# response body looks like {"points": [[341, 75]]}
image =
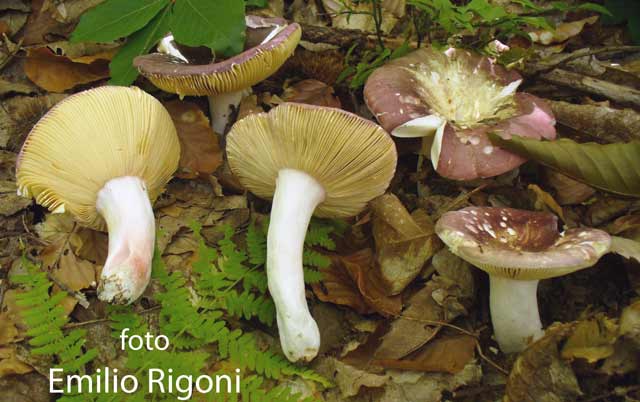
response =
{"points": [[319, 235], [312, 276], [257, 244], [45, 319], [248, 305], [312, 258]]}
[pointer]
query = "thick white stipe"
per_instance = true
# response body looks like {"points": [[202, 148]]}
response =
{"points": [[514, 313], [296, 197], [124, 204]]}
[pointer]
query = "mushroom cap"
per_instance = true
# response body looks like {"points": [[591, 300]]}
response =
{"points": [[518, 244], [90, 138], [233, 74], [353, 158], [473, 94]]}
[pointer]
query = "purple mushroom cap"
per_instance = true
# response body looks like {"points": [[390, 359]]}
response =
{"points": [[519, 244], [471, 95], [239, 72]]}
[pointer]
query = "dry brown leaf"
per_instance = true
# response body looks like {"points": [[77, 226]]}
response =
{"points": [[414, 328], [412, 386], [73, 273], [352, 281], [627, 226], [58, 73], [200, 153], [544, 199], [445, 297], [84, 52], [349, 379], [568, 191], [8, 330], [361, 268], [9, 363], [12, 311], [49, 20], [563, 31], [18, 114], [605, 209], [312, 92], [10, 201], [450, 354], [90, 245], [540, 375], [404, 242], [338, 287], [591, 340]]}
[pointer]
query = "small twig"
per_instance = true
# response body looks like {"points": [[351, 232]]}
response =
{"points": [[583, 83], [435, 322], [555, 61], [489, 361]]}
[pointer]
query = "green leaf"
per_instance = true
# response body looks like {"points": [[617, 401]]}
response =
{"points": [[217, 24], [611, 167], [115, 19], [485, 10], [257, 3], [594, 7], [122, 70]]}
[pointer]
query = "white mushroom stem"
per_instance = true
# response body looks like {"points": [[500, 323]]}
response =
{"points": [[514, 313], [296, 197], [221, 107], [124, 204]]}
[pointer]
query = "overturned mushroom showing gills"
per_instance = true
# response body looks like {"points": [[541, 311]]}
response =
{"points": [[310, 160], [453, 99], [518, 248], [270, 43], [104, 155]]}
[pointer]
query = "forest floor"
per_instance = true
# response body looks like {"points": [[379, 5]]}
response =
{"points": [[431, 340]]}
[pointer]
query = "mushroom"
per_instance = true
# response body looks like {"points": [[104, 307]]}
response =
{"points": [[223, 81], [453, 99], [104, 155], [517, 248], [310, 160]]}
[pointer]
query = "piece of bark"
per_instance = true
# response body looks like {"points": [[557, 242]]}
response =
{"points": [[603, 123], [583, 83]]}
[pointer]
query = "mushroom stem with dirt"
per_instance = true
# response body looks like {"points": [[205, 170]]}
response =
{"points": [[518, 248], [124, 204], [311, 160], [270, 42], [104, 155]]}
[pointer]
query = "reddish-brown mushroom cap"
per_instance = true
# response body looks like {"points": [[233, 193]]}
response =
{"points": [[472, 95], [233, 74], [520, 244]]}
